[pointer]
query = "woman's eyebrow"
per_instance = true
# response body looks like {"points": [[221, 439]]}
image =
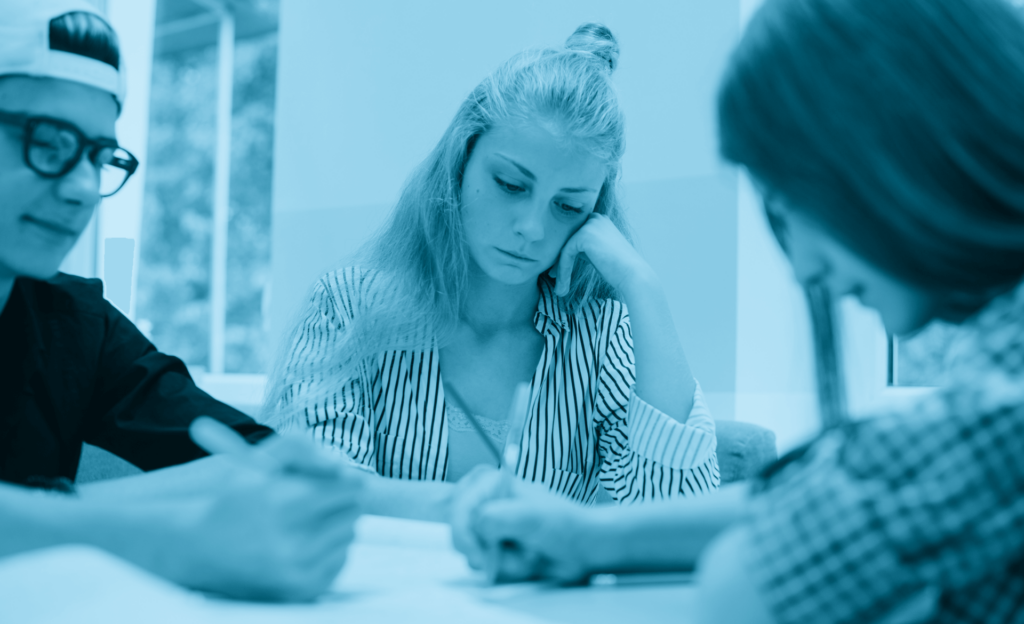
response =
{"points": [[526, 172], [529, 174]]}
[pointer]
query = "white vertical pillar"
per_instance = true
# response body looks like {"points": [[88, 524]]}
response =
{"points": [[221, 192], [120, 216], [81, 260]]}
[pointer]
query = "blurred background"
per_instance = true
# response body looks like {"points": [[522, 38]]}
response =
{"points": [[276, 134], [174, 298]]}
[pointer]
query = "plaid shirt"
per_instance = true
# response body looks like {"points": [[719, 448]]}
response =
{"points": [[927, 502]]}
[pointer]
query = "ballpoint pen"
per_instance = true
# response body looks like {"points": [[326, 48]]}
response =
{"points": [[452, 395], [508, 459], [508, 462], [517, 415], [625, 579], [216, 438]]}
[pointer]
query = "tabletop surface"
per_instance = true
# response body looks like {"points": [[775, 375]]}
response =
{"points": [[397, 571]]}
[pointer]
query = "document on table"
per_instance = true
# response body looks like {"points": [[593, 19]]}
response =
{"points": [[397, 571]]}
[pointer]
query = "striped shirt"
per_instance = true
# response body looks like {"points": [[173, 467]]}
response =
{"points": [[586, 426]]}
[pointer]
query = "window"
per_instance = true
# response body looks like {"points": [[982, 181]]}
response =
{"points": [[203, 287]]}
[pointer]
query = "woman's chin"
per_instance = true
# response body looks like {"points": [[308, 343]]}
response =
{"points": [[511, 276]]}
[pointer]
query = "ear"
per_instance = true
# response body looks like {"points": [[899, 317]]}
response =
{"points": [[599, 206], [470, 144]]}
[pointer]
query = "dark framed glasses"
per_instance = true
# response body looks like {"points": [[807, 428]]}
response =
{"points": [[52, 148]]}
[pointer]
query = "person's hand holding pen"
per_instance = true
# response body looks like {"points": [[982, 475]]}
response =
{"points": [[271, 521], [522, 532], [518, 531], [508, 558], [275, 454]]}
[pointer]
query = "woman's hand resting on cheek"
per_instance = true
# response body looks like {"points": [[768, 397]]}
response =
{"points": [[608, 250], [663, 377]]}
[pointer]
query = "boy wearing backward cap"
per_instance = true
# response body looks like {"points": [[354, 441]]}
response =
{"points": [[73, 369]]}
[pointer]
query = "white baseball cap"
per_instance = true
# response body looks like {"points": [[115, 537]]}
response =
{"points": [[25, 46]]}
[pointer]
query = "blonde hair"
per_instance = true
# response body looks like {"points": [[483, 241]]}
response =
{"points": [[419, 259]]}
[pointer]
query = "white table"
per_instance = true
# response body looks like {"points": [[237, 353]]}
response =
{"points": [[398, 571]]}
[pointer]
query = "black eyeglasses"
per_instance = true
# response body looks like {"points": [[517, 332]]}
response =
{"points": [[52, 148]]}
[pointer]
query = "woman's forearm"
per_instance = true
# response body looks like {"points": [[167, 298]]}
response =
{"points": [[663, 377], [401, 498], [663, 535]]}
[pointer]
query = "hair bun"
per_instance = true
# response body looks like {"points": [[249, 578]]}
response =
{"points": [[598, 40]]}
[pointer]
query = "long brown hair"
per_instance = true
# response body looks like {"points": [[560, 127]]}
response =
{"points": [[898, 127]]}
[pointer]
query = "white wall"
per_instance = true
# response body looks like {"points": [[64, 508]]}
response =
{"points": [[775, 384], [365, 90]]}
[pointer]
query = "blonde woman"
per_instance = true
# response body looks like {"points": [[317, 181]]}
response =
{"points": [[507, 260], [886, 140]]}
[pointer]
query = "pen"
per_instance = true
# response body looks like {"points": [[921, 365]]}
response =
{"points": [[453, 395], [518, 412], [216, 438], [508, 461], [640, 578], [519, 409]]}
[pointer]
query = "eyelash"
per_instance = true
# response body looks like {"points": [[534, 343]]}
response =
{"points": [[508, 188], [513, 189]]}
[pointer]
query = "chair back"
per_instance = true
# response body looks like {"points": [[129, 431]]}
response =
{"points": [[743, 449]]}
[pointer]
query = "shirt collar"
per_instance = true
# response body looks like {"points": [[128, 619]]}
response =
{"points": [[1001, 314], [982, 354], [552, 311]]}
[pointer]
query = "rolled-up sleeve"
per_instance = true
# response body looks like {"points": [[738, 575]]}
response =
{"points": [[309, 398], [144, 401], [658, 437], [645, 453]]}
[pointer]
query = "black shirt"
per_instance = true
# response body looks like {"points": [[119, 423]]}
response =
{"points": [[73, 369]]}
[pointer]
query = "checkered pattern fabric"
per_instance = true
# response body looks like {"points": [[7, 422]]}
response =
{"points": [[926, 501]]}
